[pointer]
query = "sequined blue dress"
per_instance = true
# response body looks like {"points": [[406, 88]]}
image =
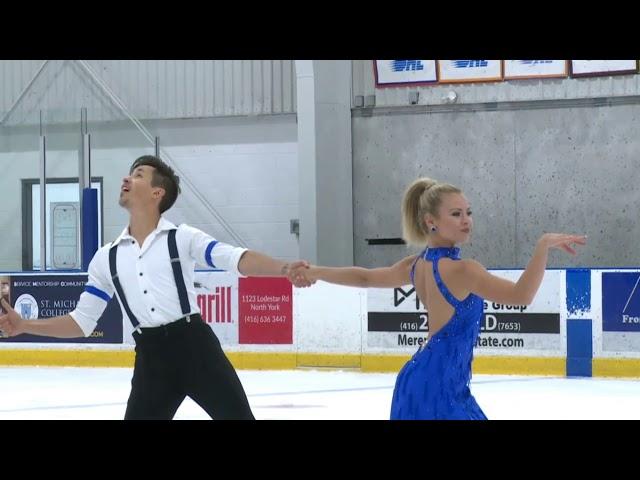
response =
{"points": [[434, 384]]}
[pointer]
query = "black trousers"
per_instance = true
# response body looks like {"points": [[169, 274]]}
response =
{"points": [[184, 359]]}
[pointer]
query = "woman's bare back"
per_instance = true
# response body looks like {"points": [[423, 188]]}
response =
{"points": [[439, 310]]}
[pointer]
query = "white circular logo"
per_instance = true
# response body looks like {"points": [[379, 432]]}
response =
{"points": [[27, 307]]}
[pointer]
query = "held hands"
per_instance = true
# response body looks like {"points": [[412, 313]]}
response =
{"points": [[562, 241], [11, 323], [296, 273]]}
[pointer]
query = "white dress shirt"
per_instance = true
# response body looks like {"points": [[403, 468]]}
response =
{"points": [[146, 275]]}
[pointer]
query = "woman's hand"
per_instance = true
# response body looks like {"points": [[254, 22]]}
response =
{"points": [[562, 241]]}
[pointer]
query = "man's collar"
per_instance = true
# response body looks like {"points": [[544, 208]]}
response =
{"points": [[163, 224]]}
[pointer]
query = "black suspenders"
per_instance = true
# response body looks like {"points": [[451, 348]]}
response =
{"points": [[113, 251], [177, 276], [177, 273]]}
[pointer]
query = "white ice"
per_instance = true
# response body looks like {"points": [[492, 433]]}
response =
{"points": [[101, 393]]}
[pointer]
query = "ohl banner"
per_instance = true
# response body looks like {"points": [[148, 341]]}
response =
{"points": [[47, 296], [393, 73]]}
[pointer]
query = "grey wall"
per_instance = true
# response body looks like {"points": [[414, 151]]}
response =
{"points": [[245, 167], [529, 155], [525, 171], [151, 89], [229, 126], [325, 161]]}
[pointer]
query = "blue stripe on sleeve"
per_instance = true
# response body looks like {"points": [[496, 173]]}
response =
{"points": [[97, 292], [207, 254]]}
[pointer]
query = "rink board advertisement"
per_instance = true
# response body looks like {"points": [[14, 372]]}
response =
{"points": [[621, 311], [397, 320], [217, 297], [265, 311], [246, 311], [46, 296]]}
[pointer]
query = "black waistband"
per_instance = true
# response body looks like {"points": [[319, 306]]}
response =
{"points": [[168, 329]]}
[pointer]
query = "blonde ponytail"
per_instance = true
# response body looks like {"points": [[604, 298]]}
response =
{"points": [[423, 196]]}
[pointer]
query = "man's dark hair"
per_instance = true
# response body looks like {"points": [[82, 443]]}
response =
{"points": [[163, 176]]}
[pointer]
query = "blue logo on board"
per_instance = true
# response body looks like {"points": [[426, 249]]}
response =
{"points": [[535, 62], [406, 65], [470, 63]]}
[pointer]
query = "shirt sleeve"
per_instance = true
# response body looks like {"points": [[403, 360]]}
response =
{"points": [[97, 293], [209, 252]]}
